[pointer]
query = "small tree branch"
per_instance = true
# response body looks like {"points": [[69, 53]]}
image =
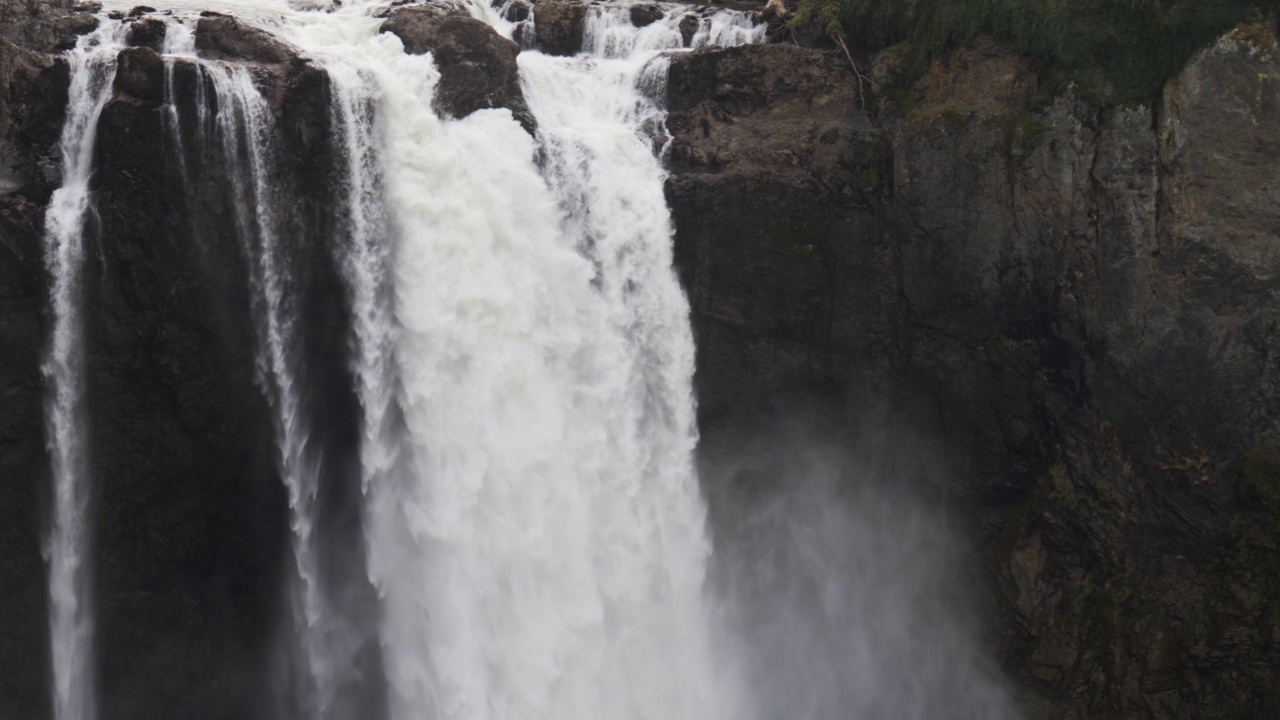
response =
{"points": [[862, 79]]}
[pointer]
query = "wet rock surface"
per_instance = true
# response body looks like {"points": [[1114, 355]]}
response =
{"points": [[219, 37], [140, 74], [558, 27], [1077, 307], [45, 25], [187, 544], [645, 15], [477, 65], [147, 32]]}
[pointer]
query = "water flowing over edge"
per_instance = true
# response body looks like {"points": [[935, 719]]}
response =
{"points": [[523, 360], [241, 131], [92, 69]]}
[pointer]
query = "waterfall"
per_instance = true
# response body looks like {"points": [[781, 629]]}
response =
{"points": [[524, 362], [523, 358], [92, 66], [534, 527]]}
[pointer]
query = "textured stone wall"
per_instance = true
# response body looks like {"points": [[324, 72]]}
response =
{"points": [[1077, 305]]}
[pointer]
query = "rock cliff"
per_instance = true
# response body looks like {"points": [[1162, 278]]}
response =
{"points": [[1078, 304]]}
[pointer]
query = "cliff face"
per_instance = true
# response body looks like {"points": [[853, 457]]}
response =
{"points": [[1079, 305]]}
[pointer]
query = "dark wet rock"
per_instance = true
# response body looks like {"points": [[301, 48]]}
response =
{"points": [[190, 523], [418, 26], [140, 74], [33, 96], [188, 546], [558, 27], [24, 654], [517, 11], [148, 32], [477, 65], [756, 130], [688, 28], [1078, 307], [45, 25], [645, 15], [226, 38]]}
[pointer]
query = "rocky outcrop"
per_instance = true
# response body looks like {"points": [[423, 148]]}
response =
{"points": [[45, 25], [140, 74], [645, 15], [147, 32], [219, 37], [558, 27], [1079, 305], [477, 65], [753, 136]]}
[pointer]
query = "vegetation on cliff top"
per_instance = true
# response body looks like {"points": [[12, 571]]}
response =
{"points": [[1132, 46]]}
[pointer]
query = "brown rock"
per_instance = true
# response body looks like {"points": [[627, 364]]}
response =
{"points": [[140, 74], [558, 27], [45, 25], [226, 38], [688, 28], [147, 32], [645, 15], [477, 65]]}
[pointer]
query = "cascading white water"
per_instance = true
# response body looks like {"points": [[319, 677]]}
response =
{"points": [[535, 528], [609, 33], [71, 623]]}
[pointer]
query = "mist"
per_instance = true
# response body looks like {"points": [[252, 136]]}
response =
{"points": [[841, 584]]}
